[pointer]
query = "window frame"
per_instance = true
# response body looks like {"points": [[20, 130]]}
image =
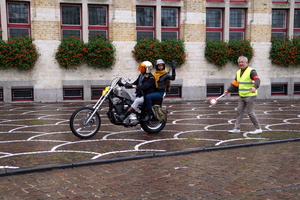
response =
{"points": [[239, 29], [280, 1], [1, 94], [215, 1], [147, 28], [280, 30], [172, 29], [67, 97], [70, 27], [18, 25], [214, 90], [217, 29], [279, 89], [22, 98], [296, 30], [99, 27], [96, 90], [296, 90], [175, 92], [238, 1]]}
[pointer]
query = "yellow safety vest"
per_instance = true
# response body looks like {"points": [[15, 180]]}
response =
{"points": [[245, 83]]}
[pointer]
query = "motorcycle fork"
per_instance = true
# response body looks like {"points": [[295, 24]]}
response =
{"points": [[98, 104]]}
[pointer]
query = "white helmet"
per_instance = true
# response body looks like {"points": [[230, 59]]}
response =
{"points": [[160, 61], [145, 67]]}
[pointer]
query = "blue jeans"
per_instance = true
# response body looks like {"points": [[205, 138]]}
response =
{"points": [[151, 97]]}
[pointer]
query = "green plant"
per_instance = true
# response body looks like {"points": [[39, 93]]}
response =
{"points": [[147, 49], [71, 52], [217, 52], [100, 52], [4, 49], [18, 53], [285, 52], [152, 49], [173, 50], [97, 53], [220, 52], [239, 48]]}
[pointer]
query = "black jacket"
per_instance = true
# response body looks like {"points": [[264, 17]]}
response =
{"points": [[147, 86], [163, 80]]}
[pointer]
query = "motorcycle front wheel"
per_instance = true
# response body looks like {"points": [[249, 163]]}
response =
{"points": [[153, 125], [81, 127]]}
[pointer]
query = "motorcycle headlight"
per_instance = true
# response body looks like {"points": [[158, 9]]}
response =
{"points": [[118, 91]]}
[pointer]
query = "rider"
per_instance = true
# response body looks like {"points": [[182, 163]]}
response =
{"points": [[162, 79], [144, 85]]}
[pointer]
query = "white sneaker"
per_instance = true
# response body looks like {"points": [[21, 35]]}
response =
{"points": [[256, 131], [132, 116], [235, 130]]}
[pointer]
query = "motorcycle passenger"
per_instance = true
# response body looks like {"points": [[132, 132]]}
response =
{"points": [[162, 81], [144, 85]]}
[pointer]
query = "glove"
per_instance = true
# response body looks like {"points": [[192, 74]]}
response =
{"points": [[120, 83], [128, 85], [173, 65]]}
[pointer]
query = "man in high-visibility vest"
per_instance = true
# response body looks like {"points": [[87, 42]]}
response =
{"points": [[247, 82]]}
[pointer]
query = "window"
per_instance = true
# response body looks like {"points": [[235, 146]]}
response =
{"points": [[169, 23], [145, 22], [278, 89], [215, 1], [279, 22], [72, 20], [1, 94], [96, 93], [18, 19], [25, 94], [297, 23], [280, 1], [175, 92], [214, 24], [73, 93], [238, 1], [297, 89], [214, 90], [237, 24], [97, 20]]}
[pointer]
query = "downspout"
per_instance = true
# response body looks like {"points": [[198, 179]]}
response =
{"points": [[252, 20]]}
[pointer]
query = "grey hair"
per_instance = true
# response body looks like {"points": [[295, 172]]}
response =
{"points": [[243, 57]]}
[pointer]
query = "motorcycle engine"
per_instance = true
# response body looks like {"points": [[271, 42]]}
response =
{"points": [[117, 102]]}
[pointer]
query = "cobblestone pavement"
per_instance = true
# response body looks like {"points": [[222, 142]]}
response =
{"points": [[267, 172], [34, 135]]}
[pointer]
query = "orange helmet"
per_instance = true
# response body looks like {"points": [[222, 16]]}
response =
{"points": [[145, 67]]}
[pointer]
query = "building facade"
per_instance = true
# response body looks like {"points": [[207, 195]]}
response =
{"points": [[124, 21]]}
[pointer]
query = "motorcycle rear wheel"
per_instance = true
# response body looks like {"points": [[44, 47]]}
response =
{"points": [[79, 125], [153, 125]]}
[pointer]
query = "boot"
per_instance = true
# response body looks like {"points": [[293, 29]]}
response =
{"points": [[147, 115], [125, 115]]}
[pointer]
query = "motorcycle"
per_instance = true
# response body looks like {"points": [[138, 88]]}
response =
{"points": [[85, 122]]}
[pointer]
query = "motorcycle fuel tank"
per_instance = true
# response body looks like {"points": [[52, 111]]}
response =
{"points": [[120, 92]]}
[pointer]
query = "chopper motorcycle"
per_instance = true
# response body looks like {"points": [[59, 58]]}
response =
{"points": [[85, 122]]}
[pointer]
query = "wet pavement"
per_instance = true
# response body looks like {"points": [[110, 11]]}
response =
{"points": [[127, 163]]}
